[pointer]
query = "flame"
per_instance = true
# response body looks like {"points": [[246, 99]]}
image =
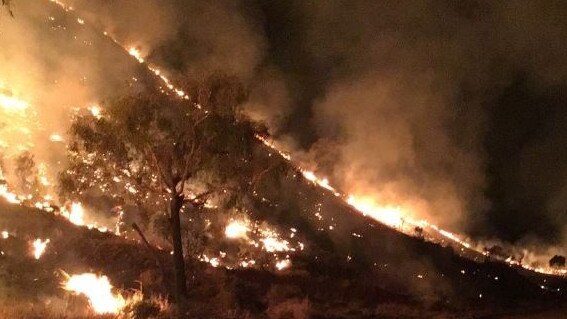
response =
{"points": [[12, 104], [274, 244], [236, 229], [18, 122], [98, 290], [8, 196], [392, 216], [135, 52], [262, 237], [214, 261], [76, 215], [95, 111], [39, 247], [283, 264], [324, 182], [396, 216]]}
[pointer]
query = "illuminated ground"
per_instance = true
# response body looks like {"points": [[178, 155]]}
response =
{"points": [[387, 274]]}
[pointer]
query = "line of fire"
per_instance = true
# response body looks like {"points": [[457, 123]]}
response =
{"points": [[158, 195]]}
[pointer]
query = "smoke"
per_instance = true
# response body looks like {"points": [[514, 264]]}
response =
{"points": [[193, 38], [51, 64], [403, 99], [451, 109]]}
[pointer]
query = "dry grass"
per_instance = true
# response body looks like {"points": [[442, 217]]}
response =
{"points": [[53, 309], [74, 307]]}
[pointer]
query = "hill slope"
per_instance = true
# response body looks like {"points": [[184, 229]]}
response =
{"points": [[378, 273]]}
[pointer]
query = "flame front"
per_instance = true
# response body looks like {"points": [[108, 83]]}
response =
{"points": [[392, 216], [135, 52], [8, 196], [98, 290]]}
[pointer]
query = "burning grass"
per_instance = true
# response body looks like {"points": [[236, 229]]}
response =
{"points": [[340, 275], [75, 308], [20, 309]]}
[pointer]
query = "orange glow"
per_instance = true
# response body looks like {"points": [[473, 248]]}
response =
{"points": [[39, 247], [98, 290]]}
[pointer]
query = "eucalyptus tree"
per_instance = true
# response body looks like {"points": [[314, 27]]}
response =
{"points": [[159, 151]]}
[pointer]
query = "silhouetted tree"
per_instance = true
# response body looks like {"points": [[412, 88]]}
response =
{"points": [[557, 261], [155, 150], [26, 174]]}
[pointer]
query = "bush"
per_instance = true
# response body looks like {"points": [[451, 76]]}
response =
{"points": [[289, 309], [150, 308], [286, 302]]}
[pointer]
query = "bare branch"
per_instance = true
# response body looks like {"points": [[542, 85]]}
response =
{"points": [[167, 179]]}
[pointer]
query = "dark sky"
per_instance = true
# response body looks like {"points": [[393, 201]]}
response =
{"points": [[458, 106]]}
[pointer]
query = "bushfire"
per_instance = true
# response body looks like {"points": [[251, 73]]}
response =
{"points": [[400, 218], [98, 290], [396, 216]]}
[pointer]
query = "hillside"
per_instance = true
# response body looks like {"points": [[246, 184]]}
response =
{"points": [[351, 266], [381, 273]]}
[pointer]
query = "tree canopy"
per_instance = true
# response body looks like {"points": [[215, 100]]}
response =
{"points": [[148, 144], [164, 153]]}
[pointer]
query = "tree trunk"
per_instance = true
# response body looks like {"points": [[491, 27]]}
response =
{"points": [[178, 260]]}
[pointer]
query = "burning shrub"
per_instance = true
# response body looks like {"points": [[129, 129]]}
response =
{"points": [[140, 308], [418, 231]]}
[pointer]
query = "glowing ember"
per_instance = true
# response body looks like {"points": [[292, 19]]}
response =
{"points": [[95, 111], [39, 247], [283, 264], [247, 263], [215, 262], [273, 244], [98, 290], [236, 229]]}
